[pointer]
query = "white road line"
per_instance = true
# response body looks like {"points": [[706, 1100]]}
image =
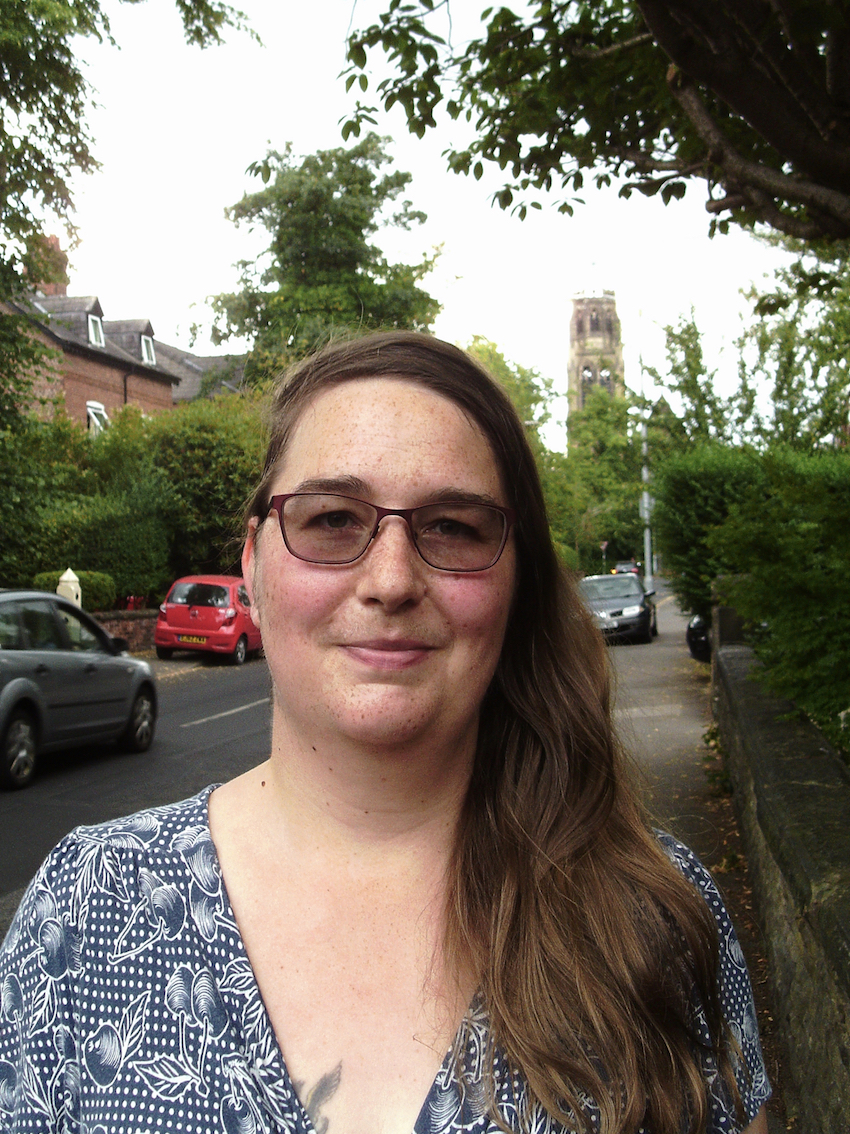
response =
{"points": [[227, 713]]}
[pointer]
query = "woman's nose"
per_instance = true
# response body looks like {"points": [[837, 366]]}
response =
{"points": [[391, 571]]}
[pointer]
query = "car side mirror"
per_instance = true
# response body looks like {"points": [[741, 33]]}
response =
{"points": [[120, 646]]}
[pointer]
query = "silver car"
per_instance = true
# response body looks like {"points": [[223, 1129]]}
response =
{"points": [[65, 682]]}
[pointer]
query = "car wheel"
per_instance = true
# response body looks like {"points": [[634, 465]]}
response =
{"points": [[655, 625], [19, 750], [164, 653], [241, 652], [138, 734], [644, 636]]}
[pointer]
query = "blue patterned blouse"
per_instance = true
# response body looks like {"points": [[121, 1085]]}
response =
{"points": [[128, 1004]]}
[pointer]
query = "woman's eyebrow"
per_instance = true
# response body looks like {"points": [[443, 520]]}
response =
{"points": [[354, 486], [337, 485]]}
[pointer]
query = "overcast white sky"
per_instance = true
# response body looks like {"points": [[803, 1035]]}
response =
{"points": [[176, 128]]}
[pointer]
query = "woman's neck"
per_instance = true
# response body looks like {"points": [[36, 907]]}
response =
{"points": [[331, 796]]}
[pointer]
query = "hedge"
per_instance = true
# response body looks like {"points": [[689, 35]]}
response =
{"points": [[97, 589]]}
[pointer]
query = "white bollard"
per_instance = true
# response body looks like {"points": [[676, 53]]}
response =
{"points": [[69, 587]]}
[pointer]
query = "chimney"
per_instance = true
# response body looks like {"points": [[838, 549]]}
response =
{"points": [[55, 288]]}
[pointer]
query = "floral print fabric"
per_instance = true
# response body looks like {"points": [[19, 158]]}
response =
{"points": [[128, 1004]]}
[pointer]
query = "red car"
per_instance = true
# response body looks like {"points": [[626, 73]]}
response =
{"points": [[209, 613]]}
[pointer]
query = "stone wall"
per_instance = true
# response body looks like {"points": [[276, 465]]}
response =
{"points": [[792, 796], [137, 626]]}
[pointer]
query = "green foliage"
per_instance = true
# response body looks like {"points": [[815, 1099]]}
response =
{"points": [[704, 415], [42, 467], [530, 393], [145, 501], [97, 589], [210, 453], [320, 274], [785, 539], [695, 490], [22, 358], [636, 89], [800, 343], [593, 494]]}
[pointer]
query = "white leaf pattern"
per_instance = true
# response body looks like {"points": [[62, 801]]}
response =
{"points": [[125, 977]]}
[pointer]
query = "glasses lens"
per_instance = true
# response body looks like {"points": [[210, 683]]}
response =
{"points": [[459, 537], [327, 529]]}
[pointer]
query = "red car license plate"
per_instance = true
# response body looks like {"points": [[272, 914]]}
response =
{"points": [[193, 638]]}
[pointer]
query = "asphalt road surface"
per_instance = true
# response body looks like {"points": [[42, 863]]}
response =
{"points": [[213, 724]]}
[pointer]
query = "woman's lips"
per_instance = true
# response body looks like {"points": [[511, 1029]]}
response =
{"points": [[389, 654]]}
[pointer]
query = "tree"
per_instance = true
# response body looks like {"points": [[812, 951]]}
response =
{"points": [[799, 346], [705, 416], [751, 96], [530, 393], [320, 273], [44, 142], [603, 475]]}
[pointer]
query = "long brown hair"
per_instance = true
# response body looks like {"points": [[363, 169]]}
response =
{"points": [[587, 942]]}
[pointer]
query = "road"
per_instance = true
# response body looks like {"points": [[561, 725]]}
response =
{"points": [[213, 724]]}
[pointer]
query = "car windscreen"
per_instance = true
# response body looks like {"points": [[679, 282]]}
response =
{"points": [[199, 594], [615, 586]]}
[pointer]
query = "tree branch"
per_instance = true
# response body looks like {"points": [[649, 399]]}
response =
{"points": [[612, 49], [834, 206], [769, 106]]}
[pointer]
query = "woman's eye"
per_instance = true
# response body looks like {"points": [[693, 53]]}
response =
{"points": [[336, 520], [449, 528]]}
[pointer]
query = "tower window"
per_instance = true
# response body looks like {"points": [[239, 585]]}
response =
{"points": [[594, 321]]}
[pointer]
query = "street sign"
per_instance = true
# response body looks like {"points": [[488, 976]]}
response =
{"points": [[603, 545]]}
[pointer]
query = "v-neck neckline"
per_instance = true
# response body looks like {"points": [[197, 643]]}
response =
{"points": [[444, 1083]]}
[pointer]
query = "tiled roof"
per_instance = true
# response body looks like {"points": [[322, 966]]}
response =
{"points": [[65, 319]]}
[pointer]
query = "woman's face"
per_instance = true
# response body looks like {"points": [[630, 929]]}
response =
{"points": [[385, 650]]}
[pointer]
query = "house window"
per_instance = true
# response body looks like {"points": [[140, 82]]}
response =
{"points": [[148, 353], [96, 331], [97, 419]]}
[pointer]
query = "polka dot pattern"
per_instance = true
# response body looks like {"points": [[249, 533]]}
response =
{"points": [[128, 1004]]}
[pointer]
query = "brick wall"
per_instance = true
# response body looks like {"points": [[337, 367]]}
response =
{"points": [[86, 379], [137, 626]]}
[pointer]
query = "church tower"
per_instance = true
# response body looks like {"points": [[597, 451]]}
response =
{"points": [[596, 352]]}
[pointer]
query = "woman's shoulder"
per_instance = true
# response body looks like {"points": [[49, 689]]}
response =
{"points": [[123, 859]]}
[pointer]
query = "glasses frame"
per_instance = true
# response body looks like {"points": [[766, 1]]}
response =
{"points": [[276, 504]]}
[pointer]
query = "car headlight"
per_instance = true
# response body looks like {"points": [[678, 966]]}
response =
{"points": [[630, 611]]}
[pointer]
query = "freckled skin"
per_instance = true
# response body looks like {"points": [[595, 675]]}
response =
{"points": [[406, 444]]}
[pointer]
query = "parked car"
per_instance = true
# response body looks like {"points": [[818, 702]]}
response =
{"points": [[621, 606], [697, 637], [626, 567], [65, 682], [210, 613]]}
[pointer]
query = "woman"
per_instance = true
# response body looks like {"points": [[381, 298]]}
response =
{"points": [[441, 854]]}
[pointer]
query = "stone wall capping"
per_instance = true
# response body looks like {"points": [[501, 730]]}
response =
{"points": [[792, 797]]}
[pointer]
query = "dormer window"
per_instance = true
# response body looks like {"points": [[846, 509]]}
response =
{"points": [[96, 336], [148, 353]]}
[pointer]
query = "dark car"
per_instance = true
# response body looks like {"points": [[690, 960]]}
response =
{"points": [[621, 606], [697, 637], [210, 613], [65, 682]]}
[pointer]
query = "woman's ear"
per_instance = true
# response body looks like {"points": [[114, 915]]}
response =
{"points": [[249, 567]]}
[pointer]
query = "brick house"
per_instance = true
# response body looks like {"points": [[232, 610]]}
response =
{"points": [[103, 364]]}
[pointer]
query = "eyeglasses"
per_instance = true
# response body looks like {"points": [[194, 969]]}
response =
{"points": [[321, 527]]}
